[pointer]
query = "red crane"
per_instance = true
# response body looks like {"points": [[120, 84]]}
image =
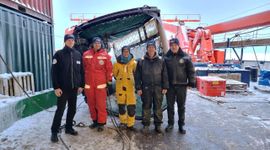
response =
{"points": [[200, 46], [198, 43]]}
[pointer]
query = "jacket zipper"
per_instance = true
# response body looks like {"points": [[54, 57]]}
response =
{"points": [[72, 80], [152, 79]]}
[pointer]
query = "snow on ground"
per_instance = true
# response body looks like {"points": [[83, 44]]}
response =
{"points": [[241, 122], [5, 100], [8, 111], [3, 96], [8, 108], [34, 133]]}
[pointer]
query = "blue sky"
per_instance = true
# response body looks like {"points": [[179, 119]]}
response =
{"points": [[211, 11]]}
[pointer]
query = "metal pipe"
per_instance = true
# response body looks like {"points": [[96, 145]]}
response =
{"points": [[162, 35]]}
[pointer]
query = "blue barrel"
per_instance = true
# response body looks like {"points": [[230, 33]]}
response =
{"points": [[247, 67], [254, 74]]}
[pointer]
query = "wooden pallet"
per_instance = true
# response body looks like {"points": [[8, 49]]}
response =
{"points": [[235, 86], [233, 76], [9, 86]]}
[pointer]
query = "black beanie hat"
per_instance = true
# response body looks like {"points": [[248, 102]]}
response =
{"points": [[69, 36], [174, 40], [151, 43], [125, 47], [96, 39]]}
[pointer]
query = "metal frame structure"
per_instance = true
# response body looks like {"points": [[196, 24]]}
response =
{"points": [[255, 20]]}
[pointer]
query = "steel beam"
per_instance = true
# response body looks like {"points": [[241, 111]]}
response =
{"points": [[256, 20]]}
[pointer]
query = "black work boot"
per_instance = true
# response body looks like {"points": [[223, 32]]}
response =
{"points": [[131, 128], [100, 128], [182, 130], [122, 126], [71, 132], [54, 137], [93, 125], [169, 128], [158, 129], [145, 130], [85, 99]]}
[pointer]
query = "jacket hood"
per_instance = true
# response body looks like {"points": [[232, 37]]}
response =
{"points": [[119, 59], [146, 56], [180, 52], [98, 51], [68, 49]]}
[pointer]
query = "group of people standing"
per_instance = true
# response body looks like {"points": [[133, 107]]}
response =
{"points": [[151, 77]]}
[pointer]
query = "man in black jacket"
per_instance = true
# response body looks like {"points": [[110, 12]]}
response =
{"points": [[181, 75], [67, 78], [151, 81]]}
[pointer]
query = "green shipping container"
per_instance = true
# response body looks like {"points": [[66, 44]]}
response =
{"points": [[27, 45]]}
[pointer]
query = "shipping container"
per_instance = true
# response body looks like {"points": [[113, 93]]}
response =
{"points": [[26, 44], [41, 9]]}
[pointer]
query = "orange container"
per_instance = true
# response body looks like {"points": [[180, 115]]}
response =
{"points": [[219, 56], [211, 86], [198, 82]]}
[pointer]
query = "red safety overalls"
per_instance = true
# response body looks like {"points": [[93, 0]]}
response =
{"points": [[98, 71]]}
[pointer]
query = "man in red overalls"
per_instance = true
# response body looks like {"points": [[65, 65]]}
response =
{"points": [[98, 73]]}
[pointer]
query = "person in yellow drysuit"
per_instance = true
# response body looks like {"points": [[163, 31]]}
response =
{"points": [[123, 72]]}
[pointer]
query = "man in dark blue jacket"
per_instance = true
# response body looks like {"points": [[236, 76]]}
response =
{"points": [[181, 75], [67, 78]]}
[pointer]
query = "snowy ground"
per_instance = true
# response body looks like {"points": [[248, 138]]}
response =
{"points": [[34, 133], [8, 110], [242, 122]]}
